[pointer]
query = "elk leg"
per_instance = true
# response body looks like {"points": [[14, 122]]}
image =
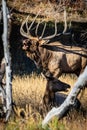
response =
{"points": [[49, 95]]}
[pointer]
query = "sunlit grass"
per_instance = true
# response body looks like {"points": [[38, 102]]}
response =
{"points": [[28, 92], [28, 89]]}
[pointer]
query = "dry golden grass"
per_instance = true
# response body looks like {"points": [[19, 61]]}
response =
{"points": [[28, 89], [27, 94]]}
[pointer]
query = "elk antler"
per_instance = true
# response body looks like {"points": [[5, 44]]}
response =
{"points": [[48, 37], [65, 21], [36, 31], [51, 36], [43, 31], [65, 24], [27, 32]]}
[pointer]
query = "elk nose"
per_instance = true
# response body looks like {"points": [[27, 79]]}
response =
{"points": [[25, 45]]}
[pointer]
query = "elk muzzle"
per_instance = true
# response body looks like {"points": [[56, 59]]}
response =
{"points": [[25, 44]]}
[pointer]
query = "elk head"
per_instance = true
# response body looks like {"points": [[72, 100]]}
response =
{"points": [[31, 44]]}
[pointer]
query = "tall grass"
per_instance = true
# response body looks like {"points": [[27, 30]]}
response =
{"points": [[27, 95]]}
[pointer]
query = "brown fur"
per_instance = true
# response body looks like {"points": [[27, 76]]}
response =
{"points": [[54, 59]]}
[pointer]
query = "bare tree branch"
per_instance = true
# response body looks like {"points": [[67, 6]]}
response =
{"points": [[70, 100]]}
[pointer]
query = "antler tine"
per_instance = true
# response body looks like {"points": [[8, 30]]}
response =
{"points": [[27, 33], [65, 21], [34, 20], [23, 33], [26, 22], [37, 28], [43, 31], [52, 36]]}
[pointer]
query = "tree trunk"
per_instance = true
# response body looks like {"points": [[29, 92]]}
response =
{"points": [[8, 60], [70, 100]]}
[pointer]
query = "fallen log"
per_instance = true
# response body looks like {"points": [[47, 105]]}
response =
{"points": [[70, 100]]}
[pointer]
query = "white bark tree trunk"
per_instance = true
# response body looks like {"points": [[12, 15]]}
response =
{"points": [[8, 61], [70, 100]]}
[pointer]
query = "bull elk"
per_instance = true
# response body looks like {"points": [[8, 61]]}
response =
{"points": [[53, 57]]}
